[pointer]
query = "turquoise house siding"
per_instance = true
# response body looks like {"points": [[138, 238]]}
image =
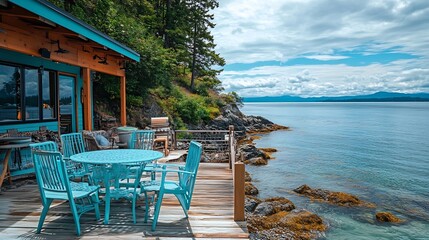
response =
{"points": [[69, 24], [23, 165]]}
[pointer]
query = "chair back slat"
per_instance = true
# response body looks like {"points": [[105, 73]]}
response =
{"points": [[45, 146], [50, 171], [142, 139], [72, 144], [187, 181]]}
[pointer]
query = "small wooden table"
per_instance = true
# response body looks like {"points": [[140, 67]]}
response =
{"points": [[6, 170], [163, 139]]}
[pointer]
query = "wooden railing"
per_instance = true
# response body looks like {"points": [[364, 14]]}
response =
{"points": [[221, 145]]}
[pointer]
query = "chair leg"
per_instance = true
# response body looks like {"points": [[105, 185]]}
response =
{"points": [[146, 201], [157, 210], [182, 202], [134, 206], [43, 215], [96, 203], [75, 216]]}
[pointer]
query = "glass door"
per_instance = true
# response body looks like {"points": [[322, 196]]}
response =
{"points": [[66, 97]]}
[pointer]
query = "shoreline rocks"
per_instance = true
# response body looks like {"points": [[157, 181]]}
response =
{"points": [[336, 198], [256, 156], [250, 189], [231, 115], [257, 161], [277, 218]]}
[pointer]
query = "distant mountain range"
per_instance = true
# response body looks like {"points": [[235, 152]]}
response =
{"points": [[376, 97]]}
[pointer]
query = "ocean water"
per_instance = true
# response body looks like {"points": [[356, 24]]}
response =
{"points": [[376, 151]]}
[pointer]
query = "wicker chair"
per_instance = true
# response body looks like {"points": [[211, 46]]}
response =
{"points": [[91, 143]]}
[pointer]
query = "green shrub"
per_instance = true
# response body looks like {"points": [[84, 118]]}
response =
{"points": [[191, 110]]}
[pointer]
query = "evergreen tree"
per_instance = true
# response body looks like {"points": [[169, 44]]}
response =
{"points": [[169, 35], [201, 43]]}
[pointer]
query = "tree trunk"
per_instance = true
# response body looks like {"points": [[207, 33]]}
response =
{"points": [[167, 26], [194, 56]]}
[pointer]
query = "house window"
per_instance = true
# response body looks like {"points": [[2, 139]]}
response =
{"points": [[49, 95], [27, 94], [31, 94], [10, 102]]}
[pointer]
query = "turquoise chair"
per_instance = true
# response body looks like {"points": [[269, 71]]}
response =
{"points": [[45, 146], [182, 189], [142, 139], [54, 184], [73, 143]]}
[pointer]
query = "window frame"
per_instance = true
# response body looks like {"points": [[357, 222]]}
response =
{"points": [[22, 89]]}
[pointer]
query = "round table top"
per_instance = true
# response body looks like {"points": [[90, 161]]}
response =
{"points": [[117, 156], [15, 145]]}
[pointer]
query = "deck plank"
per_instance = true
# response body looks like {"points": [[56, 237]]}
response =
{"points": [[210, 216]]}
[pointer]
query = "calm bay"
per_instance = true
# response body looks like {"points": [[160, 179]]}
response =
{"points": [[376, 151]]}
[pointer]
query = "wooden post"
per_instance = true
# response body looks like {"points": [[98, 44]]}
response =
{"points": [[239, 191], [123, 101], [174, 139], [87, 105], [231, 146]]}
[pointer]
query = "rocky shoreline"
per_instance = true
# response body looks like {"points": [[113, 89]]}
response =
{"points": [[278, 217]]}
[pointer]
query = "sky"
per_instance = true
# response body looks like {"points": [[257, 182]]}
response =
{"points": [[313, 48]]}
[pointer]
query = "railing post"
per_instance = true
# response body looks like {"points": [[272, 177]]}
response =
{"points": [[174, 143], [239, 191], [231, 146]]}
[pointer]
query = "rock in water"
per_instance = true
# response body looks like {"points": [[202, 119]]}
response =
{"points": [[298, 224], [250, 189], [269, 150], [274, 205], [247, 177], [250, 203], [250, 151], [337, 198], [257, 161], [387, 217]]}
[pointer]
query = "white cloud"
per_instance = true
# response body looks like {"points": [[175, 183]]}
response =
{"points": [[327, 80], [250, 31], [326, 57]]}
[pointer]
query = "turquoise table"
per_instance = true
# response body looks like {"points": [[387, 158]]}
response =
{"points": [[113, 159], [9, 143]]}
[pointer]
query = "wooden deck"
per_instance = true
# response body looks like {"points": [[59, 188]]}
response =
{"points": [[210, 216]]}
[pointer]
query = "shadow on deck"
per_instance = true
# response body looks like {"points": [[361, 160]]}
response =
{"points": [[210, 216]]}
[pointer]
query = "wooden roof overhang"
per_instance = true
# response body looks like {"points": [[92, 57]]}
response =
{"points": [[39, 28], [34, 26]]}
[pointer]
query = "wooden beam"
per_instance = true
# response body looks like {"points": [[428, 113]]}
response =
{"points": [[123, 101], [87, 106], [23, 38], [239, 191]]}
